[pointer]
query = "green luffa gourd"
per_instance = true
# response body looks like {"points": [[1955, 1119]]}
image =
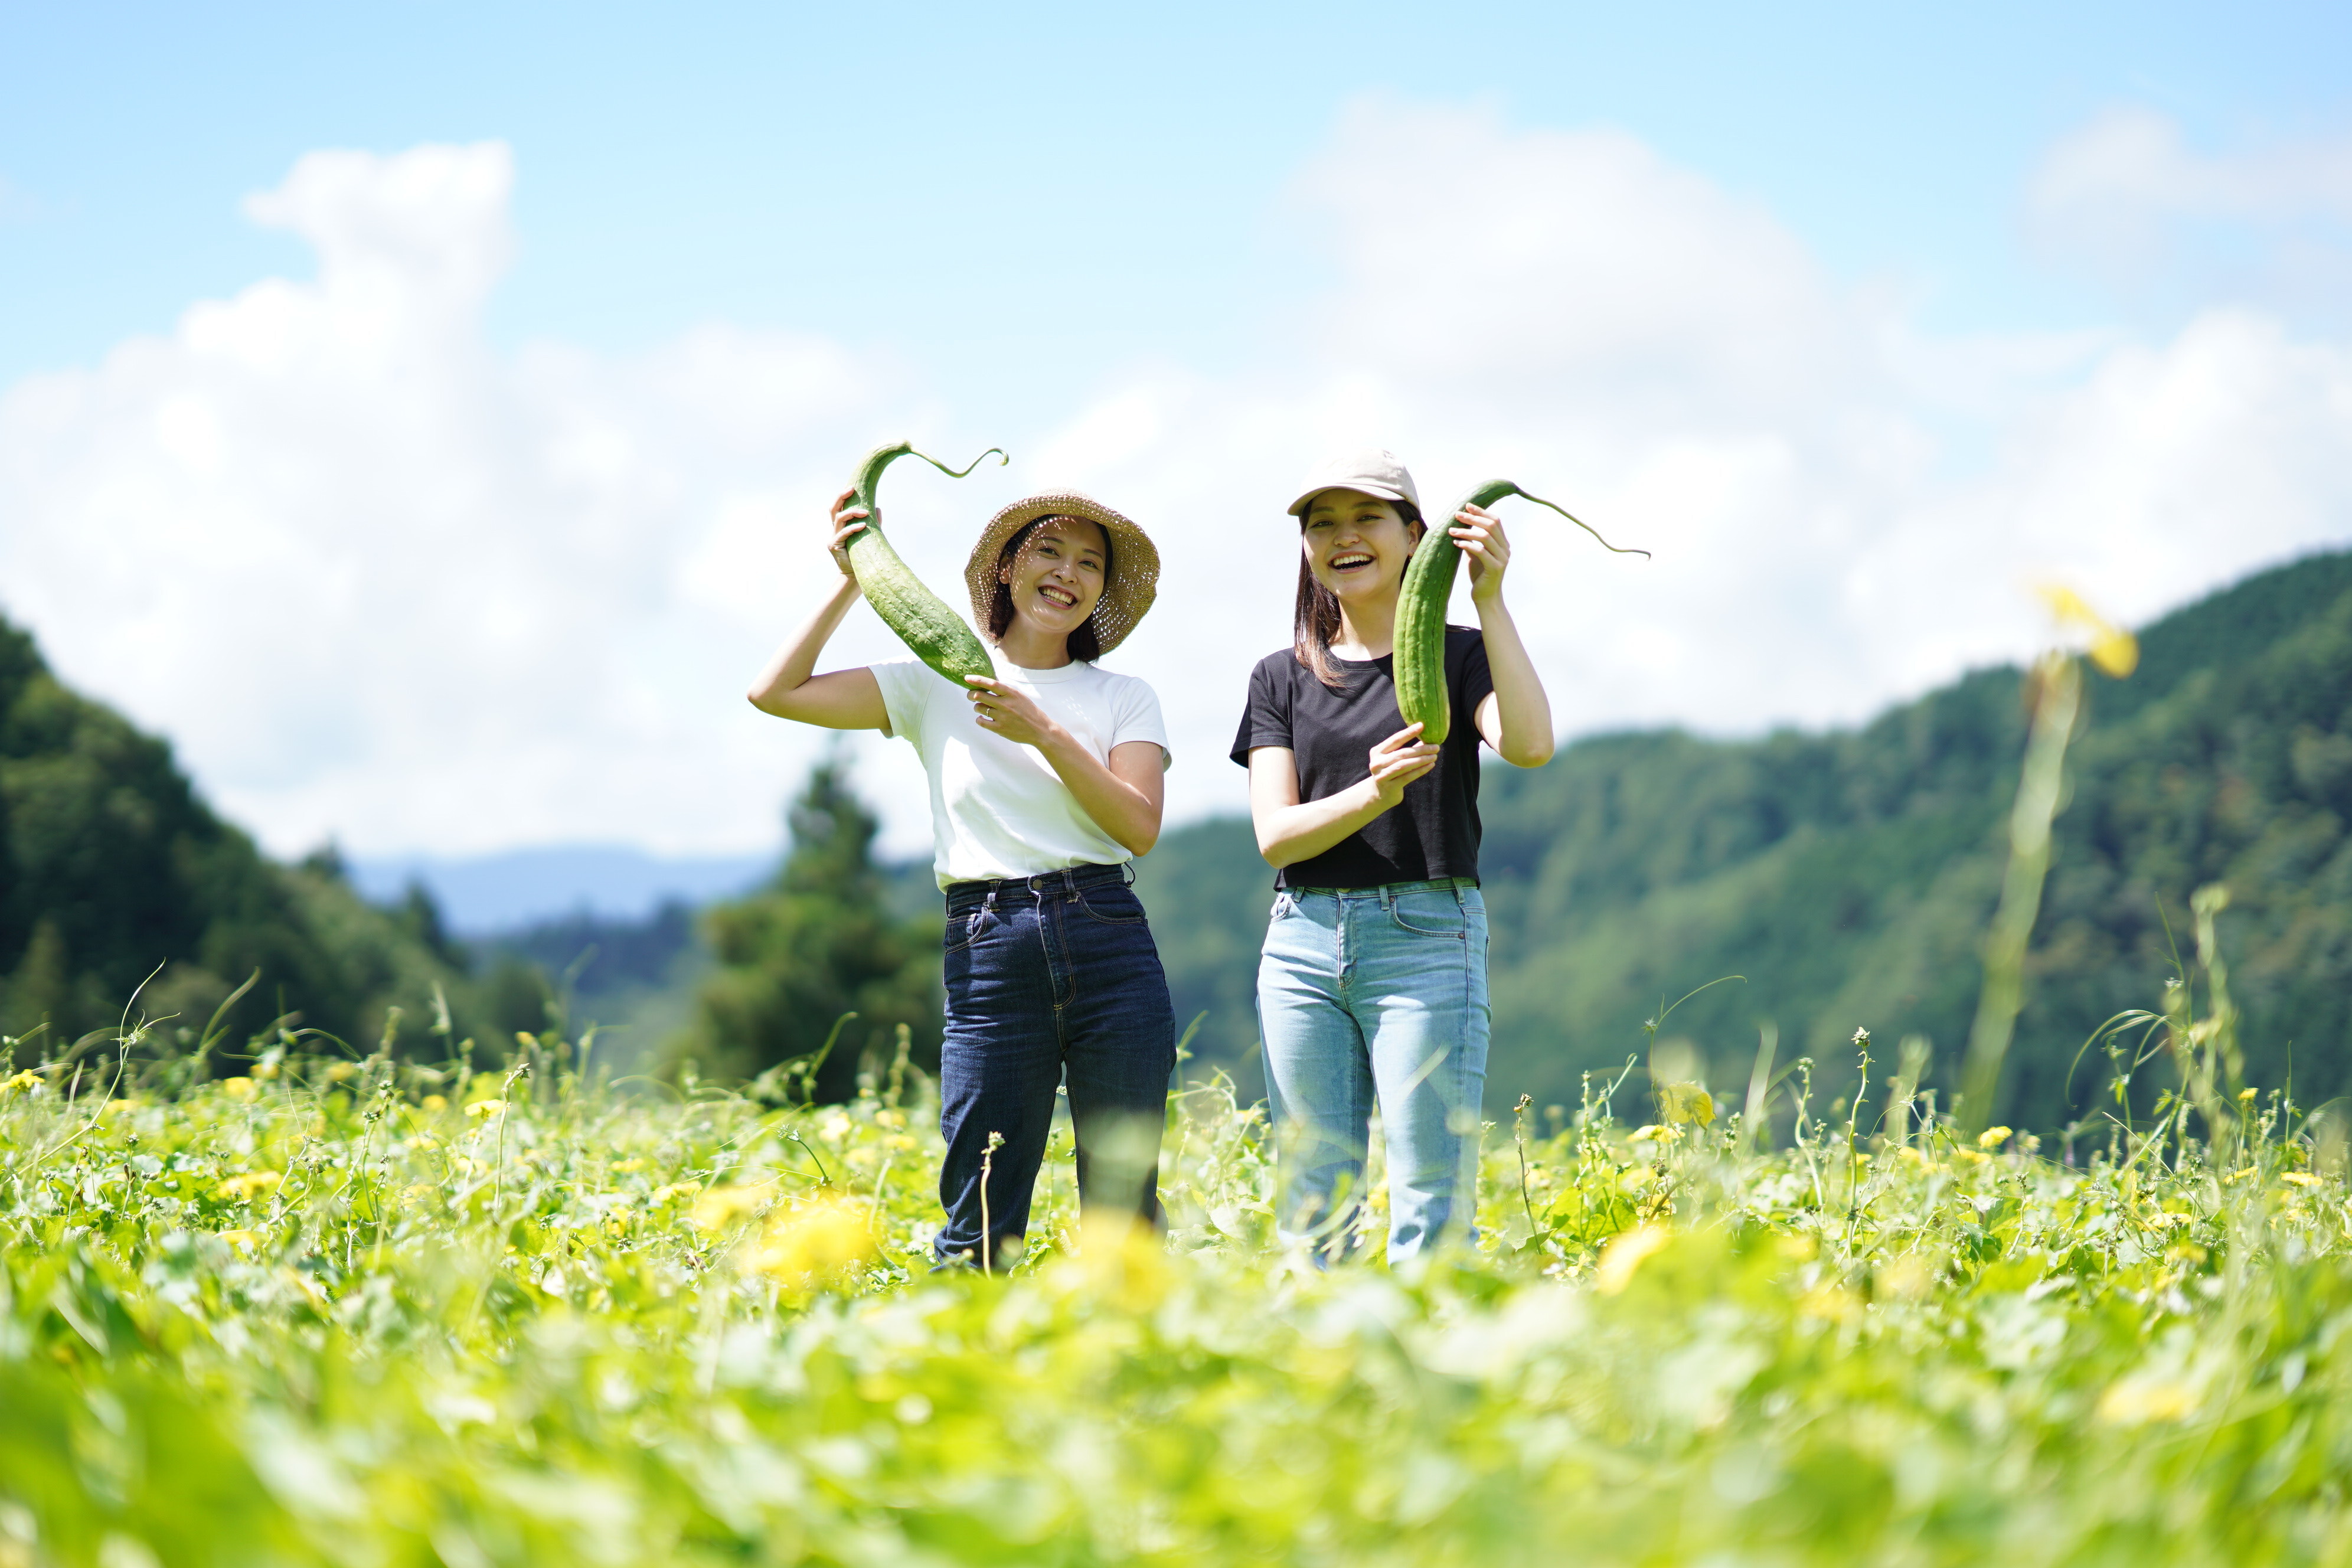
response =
{"points": [[922, 618], [1421, 609]]}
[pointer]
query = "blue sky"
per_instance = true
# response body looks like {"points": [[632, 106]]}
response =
{"points": [[953, 178], [509, 422]]}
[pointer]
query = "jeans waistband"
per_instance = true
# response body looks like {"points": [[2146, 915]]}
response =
{"points": [[1066, 882], [1435, 885]]}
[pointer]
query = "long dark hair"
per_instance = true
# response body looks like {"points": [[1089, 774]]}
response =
{"points": [[1084, 642], [1314, 613]]}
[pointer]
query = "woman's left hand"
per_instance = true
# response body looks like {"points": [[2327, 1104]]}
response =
{"points": [[1002, 710], [1479, 533]]}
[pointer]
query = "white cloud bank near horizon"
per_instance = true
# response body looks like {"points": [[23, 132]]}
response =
{"points": [[381, 582]]}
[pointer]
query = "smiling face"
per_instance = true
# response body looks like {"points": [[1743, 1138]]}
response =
{"points": [[1056, 574], [1357, 545]]}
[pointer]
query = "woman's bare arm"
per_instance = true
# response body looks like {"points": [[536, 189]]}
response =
{"points": [[1516, 717], [842, 698], [1290, 830]]}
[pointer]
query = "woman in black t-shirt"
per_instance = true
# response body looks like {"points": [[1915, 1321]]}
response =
{"points": [[1372, 983]]}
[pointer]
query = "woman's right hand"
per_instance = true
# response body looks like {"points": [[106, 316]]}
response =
{"points": [[1396, 762], [848, 518]]}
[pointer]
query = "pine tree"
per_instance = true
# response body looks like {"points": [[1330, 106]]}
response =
{"points": [[817, 943]]}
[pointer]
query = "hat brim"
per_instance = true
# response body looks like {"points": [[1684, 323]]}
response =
{"points": [[1128, 589], [1379, 492]]}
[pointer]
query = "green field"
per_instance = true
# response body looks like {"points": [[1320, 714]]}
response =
{"points": [[364, 1312]]}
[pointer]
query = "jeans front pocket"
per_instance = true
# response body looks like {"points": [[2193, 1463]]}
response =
{"points": [[963, 929], [1112, 905], [1429, 912]]}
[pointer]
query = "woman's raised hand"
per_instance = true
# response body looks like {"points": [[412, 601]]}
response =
{"points": [[848, 519], [1398, 761], [1479, 533]]}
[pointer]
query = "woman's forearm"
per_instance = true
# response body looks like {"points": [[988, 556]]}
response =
{"points": [[1523, 733], [1289, 834], [844, 700], [796, 660], [1129, 814]]}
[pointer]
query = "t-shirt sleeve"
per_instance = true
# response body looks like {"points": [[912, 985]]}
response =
{"points": [[907, 686], [1474, 679], [1134, 716], [1266, 719]]}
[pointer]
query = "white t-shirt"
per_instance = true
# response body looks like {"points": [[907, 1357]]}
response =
{"points": [[998, 809]]}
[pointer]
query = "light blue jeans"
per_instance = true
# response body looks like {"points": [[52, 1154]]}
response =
{"points": [[1367, 992]]}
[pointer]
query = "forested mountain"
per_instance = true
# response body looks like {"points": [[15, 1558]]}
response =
{"points": [[1849, 876], [110, 868]]}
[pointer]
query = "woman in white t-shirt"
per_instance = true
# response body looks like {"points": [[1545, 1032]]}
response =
{"points": [[1045, 785]]}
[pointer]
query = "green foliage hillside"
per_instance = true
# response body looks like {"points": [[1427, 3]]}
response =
{"points": [[1849, 876], [111, 867]]}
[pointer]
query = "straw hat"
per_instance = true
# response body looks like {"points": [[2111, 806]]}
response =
{"points": [[1128, 589]]}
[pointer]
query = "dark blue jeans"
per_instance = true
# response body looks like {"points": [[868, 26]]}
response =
{"points": [[1050, 978]]}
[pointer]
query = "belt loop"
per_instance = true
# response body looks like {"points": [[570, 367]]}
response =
{"points": [[1459, 901]]}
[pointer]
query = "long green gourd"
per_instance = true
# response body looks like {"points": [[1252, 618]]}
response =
{"points": [[922, 618], [1421, 610]]}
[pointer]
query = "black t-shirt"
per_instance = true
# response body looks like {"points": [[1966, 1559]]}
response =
{"points": [[1433, 831]]}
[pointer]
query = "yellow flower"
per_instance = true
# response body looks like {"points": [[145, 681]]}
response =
{"points": [[436, 1103], [900, 1142], [676, 1190], [1831, 1303], [25, 1080], [250, 1184], [722, 1207], [1625, 1254], [338, 1071], [626, 1166], [811, 1249], [245, 1239], [2135, 1401], [1683, 1102], [482, 1108], [1992, 1137], [887, 1117], [2112, 649], [2299, 1178]]}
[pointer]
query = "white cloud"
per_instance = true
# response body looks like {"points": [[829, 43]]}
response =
{"points": [[2128, 195], [381, 579], [1670, 364]]}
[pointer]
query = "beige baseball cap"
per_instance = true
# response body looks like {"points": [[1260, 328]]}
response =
{"points": [[1373, 470]]}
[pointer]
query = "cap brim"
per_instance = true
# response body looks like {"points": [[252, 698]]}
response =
{"points": [[1380, 492]]}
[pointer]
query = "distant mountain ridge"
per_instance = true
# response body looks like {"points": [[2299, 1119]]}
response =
{"points": [[1849, 875], [483, 895]]}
